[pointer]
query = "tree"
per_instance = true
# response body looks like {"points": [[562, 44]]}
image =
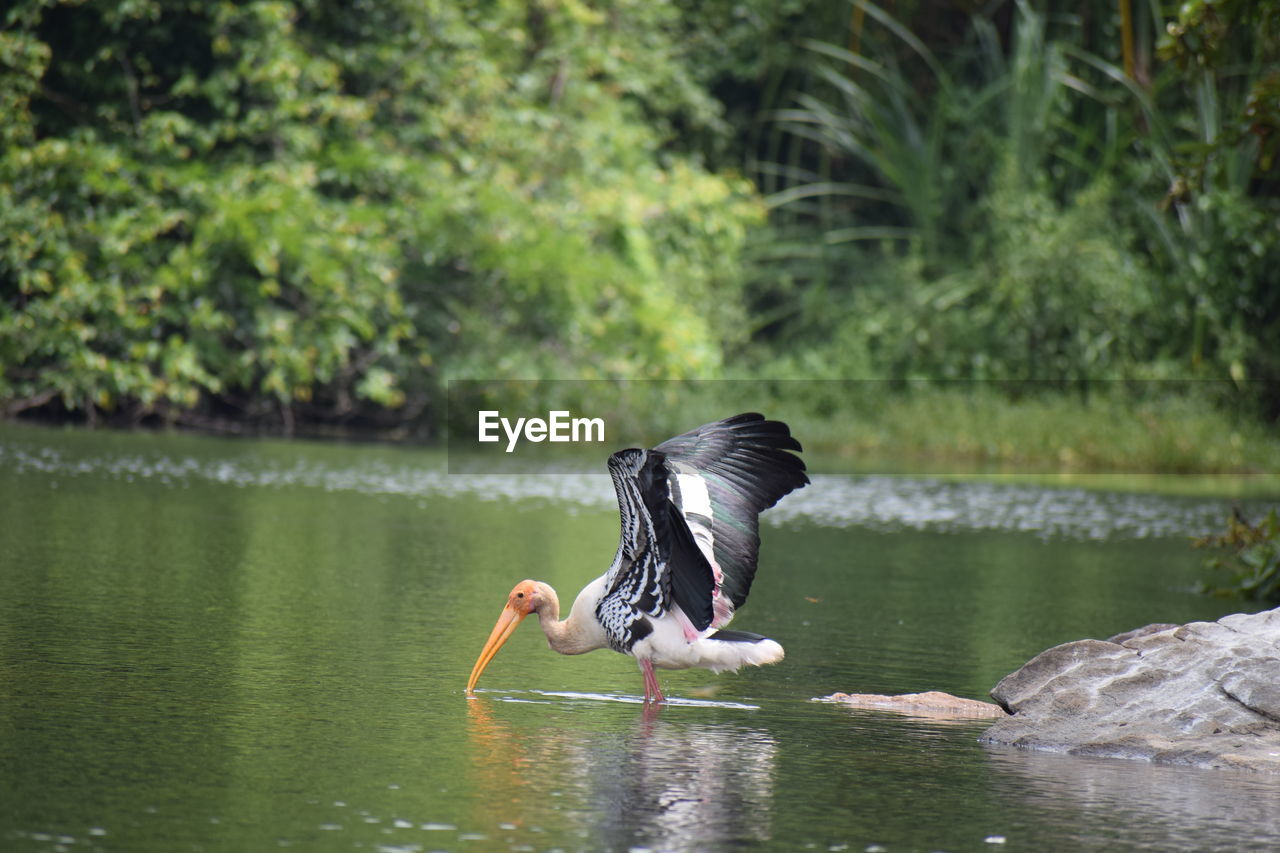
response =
{"points": [[323, 209]]}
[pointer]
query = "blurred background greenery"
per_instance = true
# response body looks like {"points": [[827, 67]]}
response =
{"points": [[306, 214]]}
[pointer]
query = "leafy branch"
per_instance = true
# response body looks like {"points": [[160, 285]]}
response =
{"points": [[1252, 555]]}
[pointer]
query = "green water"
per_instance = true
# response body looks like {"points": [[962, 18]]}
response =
{"points": [[240, 645]]}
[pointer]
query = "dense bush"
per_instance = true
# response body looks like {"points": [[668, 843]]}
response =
{"points": [[1251, 553], [1011, 204], [302, 208], [279, 208]]}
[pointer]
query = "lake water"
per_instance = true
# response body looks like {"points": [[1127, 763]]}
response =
{"points": [[219, 645]]}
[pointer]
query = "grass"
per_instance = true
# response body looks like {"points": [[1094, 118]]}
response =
{"points": [[1146, 437], [1107, 440], [1170, 437]]}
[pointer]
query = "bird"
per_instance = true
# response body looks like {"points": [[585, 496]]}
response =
{"points": [[686, 557]]}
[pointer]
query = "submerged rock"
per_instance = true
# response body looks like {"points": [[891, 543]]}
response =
{"points": [[932, 704], [1204, 694]]}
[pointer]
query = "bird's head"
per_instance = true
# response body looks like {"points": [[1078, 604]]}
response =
{"points": [[525, 598]]}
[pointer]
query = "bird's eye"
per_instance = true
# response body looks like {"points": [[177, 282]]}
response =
{"points": [[519, 595]]}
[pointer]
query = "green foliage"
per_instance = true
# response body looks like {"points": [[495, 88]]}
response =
{"points": [[1252, 555], [990, 206], [305, 207], [1229, 49], [302, 208], [916, 137], [1054, 295], [1220, 216], [1134, 430], [1034, 280]]}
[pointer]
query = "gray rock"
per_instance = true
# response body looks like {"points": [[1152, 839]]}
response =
{"points": [[1204, 694], [933, 705]]}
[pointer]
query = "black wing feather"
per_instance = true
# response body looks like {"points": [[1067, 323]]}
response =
{"points": [[658, 562], [692, 581], [746, 467]]}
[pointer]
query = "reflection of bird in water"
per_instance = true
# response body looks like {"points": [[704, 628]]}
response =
{"points": [[660, 784], [504, 764], [686, 558], [684, 787]]}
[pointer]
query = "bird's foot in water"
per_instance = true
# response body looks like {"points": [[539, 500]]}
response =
{"points": [[652, 692]]}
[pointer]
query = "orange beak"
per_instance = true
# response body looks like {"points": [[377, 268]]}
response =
{"points": [[507, 624]]}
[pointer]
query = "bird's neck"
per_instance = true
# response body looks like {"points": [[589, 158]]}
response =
{"points": [[577, 634]]}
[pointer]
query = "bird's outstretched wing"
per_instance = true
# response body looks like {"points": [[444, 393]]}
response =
{"points": [[723, 475], [690, 511]]}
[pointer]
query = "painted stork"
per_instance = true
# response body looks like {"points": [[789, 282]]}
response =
{"points": [[686, 558]]}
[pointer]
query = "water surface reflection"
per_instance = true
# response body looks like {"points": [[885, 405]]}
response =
{"points": [[236, 645], [1146, 806], [654, 780]]}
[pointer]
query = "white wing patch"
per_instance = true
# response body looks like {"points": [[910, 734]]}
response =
{"points": [[693, 494], [695, 505]]}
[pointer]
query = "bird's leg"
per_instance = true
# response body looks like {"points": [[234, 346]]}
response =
{"points": [[650, 681], [651, 689]]}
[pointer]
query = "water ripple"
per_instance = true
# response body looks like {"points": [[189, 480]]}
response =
{"points": [[877, 502]]}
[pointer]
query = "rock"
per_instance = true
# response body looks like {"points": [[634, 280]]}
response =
{"points": [[1204, 694], [1138, 633], [933, 704]]}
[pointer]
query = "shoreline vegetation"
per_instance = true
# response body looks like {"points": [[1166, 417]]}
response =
{"points": [[1051, 232], [1056, 434], [1165, 444]]}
